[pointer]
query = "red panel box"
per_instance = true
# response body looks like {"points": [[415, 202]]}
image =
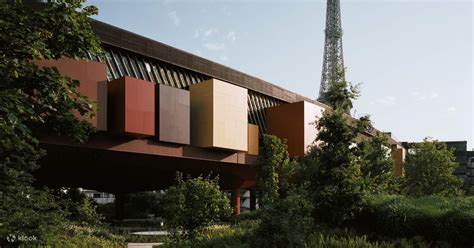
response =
{"points": [[92, 78], [131, 105]]}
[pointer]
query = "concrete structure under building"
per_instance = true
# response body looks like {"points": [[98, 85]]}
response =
{"points": [[162, 110]]}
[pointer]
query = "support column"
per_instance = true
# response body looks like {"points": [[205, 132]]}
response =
{"points": [[235, 200]]}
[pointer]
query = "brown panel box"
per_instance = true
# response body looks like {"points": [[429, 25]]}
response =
{"points": [[172, 115], [294, 122], [252, 139], [92, 76], [131, 105]]}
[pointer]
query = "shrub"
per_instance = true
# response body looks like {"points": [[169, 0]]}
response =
{"points": [[429, 170], [286, 222], [432, 217], [194, 204], [218, 236], [74, 236]]}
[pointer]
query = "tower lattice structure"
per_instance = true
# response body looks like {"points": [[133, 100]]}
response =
{"points": [[333, 60]]}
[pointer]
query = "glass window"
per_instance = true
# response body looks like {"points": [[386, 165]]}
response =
{"points": [[163, 75], [113, 69], [156, 74], [143, 69], [135, 68], [170, 78], [119, 63], [130, 70]]}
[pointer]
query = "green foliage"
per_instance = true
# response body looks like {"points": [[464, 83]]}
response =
{"points": [[34, 99], [194, 204], [286, 222], [340, 93], [432, 217], [218, 236], [349, 240], [377, 165], [74, 236], [429, 170], [274, 169], [141, 204], [335, 178]]}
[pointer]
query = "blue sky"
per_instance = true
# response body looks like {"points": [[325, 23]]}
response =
{"points": [[413, 58]]}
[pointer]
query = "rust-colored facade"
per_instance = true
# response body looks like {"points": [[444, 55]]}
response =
{"points": [[295, 123], [92, 76], [163, 110], [131, 105]]}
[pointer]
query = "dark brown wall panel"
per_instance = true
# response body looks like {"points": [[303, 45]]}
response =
{"points": [[132, 105], [172, 116]]}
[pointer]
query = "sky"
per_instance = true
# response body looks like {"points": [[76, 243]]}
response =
{"points": [[413, 59]]}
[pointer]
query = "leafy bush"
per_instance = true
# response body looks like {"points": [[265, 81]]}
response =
{"points": [[432, 217], [79, 236], [218, 236], [193, 205], [247, 215], [429, 170], [286, 222]]}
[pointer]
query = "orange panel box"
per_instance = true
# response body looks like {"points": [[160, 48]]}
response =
{"points": [[295, 123]]}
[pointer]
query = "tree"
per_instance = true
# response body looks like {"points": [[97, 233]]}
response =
{"points": [[340, 93], [429, 170], [274, 169], [377, 165], [34, 99], [193, 204], [286, 222], [335, 177]]}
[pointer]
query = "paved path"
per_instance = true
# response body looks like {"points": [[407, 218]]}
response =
{"points": [[151, 233], [142, 245]]}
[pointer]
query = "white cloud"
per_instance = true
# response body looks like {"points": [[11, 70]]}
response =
{"points": [[451, 109], [231, 36], [214, 46], [210, 32], [174, 17], [424, 95], [387, 101]]}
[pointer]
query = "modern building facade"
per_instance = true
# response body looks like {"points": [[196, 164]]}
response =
{"points": [[162, 110]]}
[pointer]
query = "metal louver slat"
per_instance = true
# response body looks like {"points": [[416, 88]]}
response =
{"points": [[170, 78], [163, 74]]}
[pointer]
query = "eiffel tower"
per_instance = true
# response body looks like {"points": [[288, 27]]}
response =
{"points": [[333, 59]]}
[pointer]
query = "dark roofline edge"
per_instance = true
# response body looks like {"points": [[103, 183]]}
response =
{"points": [[121, 38]]}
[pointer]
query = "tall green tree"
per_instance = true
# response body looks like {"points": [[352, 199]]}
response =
{"points": [[335, 177], [274, 169], [34, 99], [377, 165], [429, 170]]}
